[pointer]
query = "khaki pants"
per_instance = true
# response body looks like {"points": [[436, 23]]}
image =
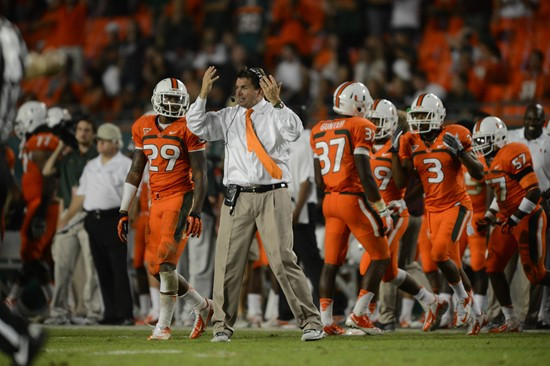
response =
{"points": [[271, 214]]}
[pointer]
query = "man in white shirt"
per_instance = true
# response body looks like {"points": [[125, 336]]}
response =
{"points": [[100, 194], [257, 134], [532, 134]]}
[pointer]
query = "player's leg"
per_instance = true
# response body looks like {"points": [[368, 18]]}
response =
{"points": [[501, 248], [141, 283]]}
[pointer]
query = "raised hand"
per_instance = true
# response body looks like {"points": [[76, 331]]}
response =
{"points": [[453, 144], [207, 81], [271, 89]]}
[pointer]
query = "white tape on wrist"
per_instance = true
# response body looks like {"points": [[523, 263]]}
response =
{"points": [[128, 194], [527, 206], [379, 206]]}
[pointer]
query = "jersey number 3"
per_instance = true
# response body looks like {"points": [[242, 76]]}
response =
{"points": [[340, 144], [170, 153]]}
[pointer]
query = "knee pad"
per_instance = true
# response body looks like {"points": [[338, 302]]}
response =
{"points": [[168, 282], [399, 278]]}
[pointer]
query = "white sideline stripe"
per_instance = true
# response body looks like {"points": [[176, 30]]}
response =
{"points": [[368, 215], [395, 230], [466, 220]]}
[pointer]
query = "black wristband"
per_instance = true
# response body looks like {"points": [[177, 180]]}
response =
{"points": [[123, 213], [195, 214]]}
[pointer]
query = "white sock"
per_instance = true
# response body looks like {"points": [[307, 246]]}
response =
{"points": [[449, 298], [155, 299], [476, 308], [480, 301], [459, 289], [362, 304], [144, 304], [425, 297], [194, 299], [254, 302], [167, 306], [407, 306], [326, 311], [508, 312]]}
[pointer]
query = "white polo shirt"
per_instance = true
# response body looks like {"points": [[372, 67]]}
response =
{"points": [[540, 153], [101, 184], [301, 169]]}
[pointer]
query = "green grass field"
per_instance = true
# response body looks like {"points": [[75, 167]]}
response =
{"points": [[128, 346]]}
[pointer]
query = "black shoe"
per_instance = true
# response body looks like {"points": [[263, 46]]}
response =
{"points": [[386, 327], [30, 346]]}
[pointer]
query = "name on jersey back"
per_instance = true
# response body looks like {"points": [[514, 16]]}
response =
{"points": [[332, 125]]}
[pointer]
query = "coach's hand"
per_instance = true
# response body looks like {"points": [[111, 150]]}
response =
{"points": [[395, 138], [207, 81], [453, 144], [123, 227], [194, 225]]}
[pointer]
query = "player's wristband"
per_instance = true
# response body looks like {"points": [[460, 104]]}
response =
{"points": [[379, 206], [128, 193], [195, 214], [515, 219], [527, 206]]}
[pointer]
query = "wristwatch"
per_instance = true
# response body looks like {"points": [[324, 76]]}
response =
{"points": [[279, 105]]}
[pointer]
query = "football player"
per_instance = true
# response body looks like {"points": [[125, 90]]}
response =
{"points": [[436, 154], [177, 180], [384, 115], [522, 221], [352, 203], [39, 225]]}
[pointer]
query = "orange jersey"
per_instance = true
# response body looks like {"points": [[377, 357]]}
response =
{"points": [[380, 164], [31, 181], [168, 153], [333, 143], [440, 172], [510, 176], [476, 189]]}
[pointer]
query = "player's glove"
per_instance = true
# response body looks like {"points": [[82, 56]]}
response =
{"points": [[396, 138], [123, 227], [453, 144], [509, 224], [385, 217], [194, 225], [485, 223], [396, 207], [37, 227]]}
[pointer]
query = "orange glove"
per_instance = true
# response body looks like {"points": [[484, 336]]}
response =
{"points": [[194, 225], [123, 227]]}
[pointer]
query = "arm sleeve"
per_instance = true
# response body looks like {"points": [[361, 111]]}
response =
{"points": [[288, 123], [520, 167], [405, 146], [136, 136], [193, 142], [209, 126]]}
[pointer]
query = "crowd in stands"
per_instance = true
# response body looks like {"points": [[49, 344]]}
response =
{"points": [[475, 55]]}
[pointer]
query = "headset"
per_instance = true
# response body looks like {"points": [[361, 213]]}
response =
{"points": [[257, 73]]}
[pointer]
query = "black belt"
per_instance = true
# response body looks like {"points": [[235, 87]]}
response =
{"points": [[98, 214], [262, 188]]}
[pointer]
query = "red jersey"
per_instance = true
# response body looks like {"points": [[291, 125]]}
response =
{"points": [[380, 164], [168, 153], [440, 172], [510, 176], [333, 143], [31, 181]]}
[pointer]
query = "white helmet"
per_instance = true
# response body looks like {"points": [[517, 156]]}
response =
{"points": [[56, 116], [351, 99], [170, 98], [30, 116], [489, 134], [384, 115], [430, 105]]}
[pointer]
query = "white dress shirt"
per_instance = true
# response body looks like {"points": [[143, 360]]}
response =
{"points": [[275, 128], [101, 184], [301, 169], [540, 153]]}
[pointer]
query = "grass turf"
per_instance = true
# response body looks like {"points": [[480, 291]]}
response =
{"points": [[128, 346]]}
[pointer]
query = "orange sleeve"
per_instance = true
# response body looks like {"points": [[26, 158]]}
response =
{"points": [[137, 136], [193, 142], [363, 132], [519, 165], [405, 146]]}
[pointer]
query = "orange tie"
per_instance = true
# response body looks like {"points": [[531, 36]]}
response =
{"points": [[253, 144]]}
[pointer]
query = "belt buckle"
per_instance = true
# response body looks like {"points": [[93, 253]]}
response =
{"points": [[97, 214]]}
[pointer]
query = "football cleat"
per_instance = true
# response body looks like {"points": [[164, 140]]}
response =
{"points": [[463, 310], [363, 322], [334, 329], [202, 318], [160, 334], [435, 312], [511, 325], [476, 323]]}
